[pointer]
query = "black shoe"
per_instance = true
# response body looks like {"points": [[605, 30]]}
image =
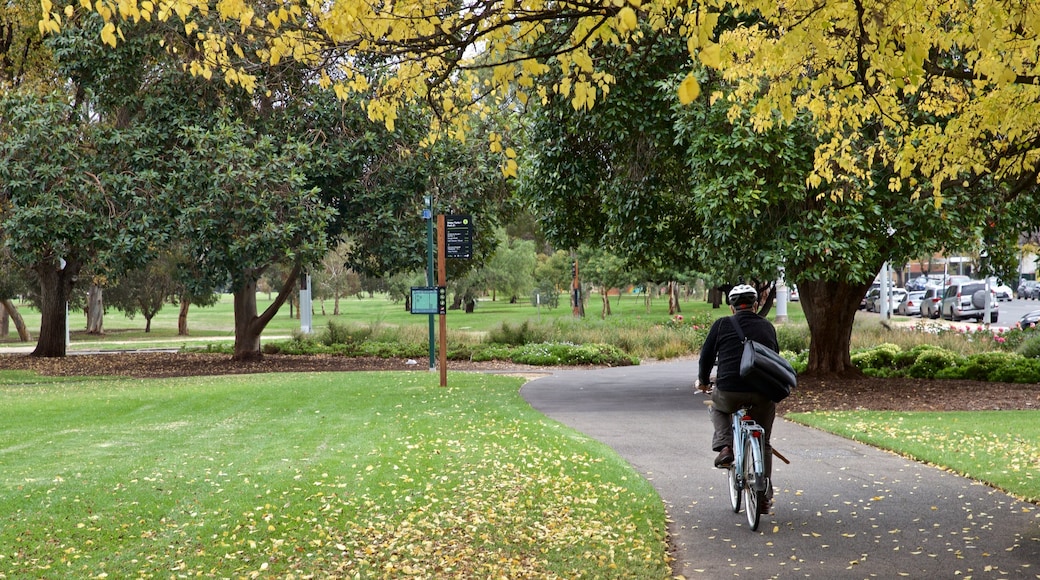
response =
{"points": [[725, 458]]}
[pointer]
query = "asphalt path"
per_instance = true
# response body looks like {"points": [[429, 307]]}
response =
{"points": [[842, 509]]}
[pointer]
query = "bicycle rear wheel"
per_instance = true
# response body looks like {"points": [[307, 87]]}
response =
{"points": [[734, 487], [754, 500]]}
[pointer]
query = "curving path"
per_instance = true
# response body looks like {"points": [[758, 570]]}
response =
{"points": [[843, 510]]}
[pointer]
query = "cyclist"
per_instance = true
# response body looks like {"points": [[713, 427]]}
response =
{"points": [[731, 391]]}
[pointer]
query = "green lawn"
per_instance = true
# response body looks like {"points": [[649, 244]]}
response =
{"points": [[310, 475], [1000, 448]]}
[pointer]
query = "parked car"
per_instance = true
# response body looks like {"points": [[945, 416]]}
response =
{"points": [[895, 296], [1030, 319], [1028, 289], [793, 293], [870, 298], [922, 282], [872, 293], [910, 305], [1002, 290], [957, 279], [968, 300], [931, 302]]}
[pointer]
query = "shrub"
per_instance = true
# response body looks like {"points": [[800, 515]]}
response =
{"points": [[341, 333], [568, 354], [488, 352], [794, 338], [1030, 346], [908, 357], [978, 367], [516, 335], [1018, 370], [800, 361], [880, 356], [931, 361]]}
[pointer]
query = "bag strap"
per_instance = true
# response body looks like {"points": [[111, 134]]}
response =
{"points": [[736, 327]]}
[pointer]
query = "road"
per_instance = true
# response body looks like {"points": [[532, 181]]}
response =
{"points": [[843, 510]]}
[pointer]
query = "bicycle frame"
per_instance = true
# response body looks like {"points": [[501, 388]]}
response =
{"points": [[745, 427]]}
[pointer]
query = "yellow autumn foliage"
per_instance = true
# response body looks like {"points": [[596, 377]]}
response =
{"points": [[869, 73]]}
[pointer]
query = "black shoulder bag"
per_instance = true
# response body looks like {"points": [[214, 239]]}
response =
{"points": [[760, 365]]}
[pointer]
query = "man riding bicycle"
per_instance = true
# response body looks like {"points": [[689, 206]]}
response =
{"points": [[731, 392]]}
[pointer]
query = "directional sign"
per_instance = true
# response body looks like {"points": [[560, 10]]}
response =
{"points": [[458, 235]]}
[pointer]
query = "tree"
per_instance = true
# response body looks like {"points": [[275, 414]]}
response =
{"points": [[335, 279], [510, 271], [68, 201], [742, 209], [145, 290], [249, 210], [605, 271], [25, 62], [12, 283], [552, 275], [851, 65], [377, 180]]}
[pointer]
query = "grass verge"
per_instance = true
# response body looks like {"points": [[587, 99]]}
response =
{"points": [[999, 448], [371, 475]]}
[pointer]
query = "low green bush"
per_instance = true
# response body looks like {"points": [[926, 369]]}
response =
{"points": [[341, 333], [516, 335], [931, 361], [1018, 370], [793, 337], [1029, 347], [549, 354], [979, 367]]}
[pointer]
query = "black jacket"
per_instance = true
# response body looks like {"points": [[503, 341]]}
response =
{"points": [[722, 343]]}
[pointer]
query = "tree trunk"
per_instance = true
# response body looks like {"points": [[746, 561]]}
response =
{"points": [[605, 311], [182, 318], [715, 297], [766, 299], [673, 299], [147, 324], [19, 322], [95, 310], [830, 309], [55, 287], [249, 326], [335, 305], [247, 339]]}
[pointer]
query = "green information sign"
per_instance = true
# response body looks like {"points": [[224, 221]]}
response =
{"points": [[429, 300]]}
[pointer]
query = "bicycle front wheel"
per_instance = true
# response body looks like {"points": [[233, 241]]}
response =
{"points": [[754, 500]]}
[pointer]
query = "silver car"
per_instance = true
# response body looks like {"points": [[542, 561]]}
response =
{"points": [[968, 300], [931, 302], [910, 305]]}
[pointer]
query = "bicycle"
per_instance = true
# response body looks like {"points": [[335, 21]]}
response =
{"points": [[747, 474]]}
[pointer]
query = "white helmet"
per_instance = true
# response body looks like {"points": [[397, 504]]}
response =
{"points": [[742, 294]]}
